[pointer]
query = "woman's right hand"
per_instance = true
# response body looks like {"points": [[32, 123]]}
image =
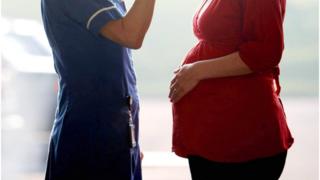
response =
{"points": [[185, 79]]}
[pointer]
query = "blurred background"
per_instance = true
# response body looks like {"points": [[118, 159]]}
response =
{"points": [[29, 88]]}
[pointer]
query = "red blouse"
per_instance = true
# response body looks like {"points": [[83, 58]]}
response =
{"points": [[240, 118]]}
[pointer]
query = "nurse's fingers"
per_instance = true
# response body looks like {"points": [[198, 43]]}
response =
{"points": [[141, 156]]}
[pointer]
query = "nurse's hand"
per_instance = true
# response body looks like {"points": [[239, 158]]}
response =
{"points": [[185, 79]]}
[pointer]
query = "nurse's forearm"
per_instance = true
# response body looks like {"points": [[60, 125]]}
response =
{"points": [[131, 30], [138, 20], [226, 66]]}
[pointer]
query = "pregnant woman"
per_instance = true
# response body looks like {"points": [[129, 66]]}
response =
{"points": [[228, 117]]}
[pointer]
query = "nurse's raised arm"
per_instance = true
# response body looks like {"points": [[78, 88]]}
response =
{"points": [[130, 30]]}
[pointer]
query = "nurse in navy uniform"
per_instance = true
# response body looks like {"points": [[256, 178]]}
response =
{"points": [[95, 132]]}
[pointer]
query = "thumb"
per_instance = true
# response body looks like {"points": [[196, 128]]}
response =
{"points": [[176, 70]]}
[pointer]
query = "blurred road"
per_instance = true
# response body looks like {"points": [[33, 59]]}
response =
{"points": [[24, 152]]}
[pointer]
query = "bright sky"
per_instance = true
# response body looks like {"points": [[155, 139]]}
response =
{"points": [[302, 3]]}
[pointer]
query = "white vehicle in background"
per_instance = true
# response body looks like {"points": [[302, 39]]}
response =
{"points": [[28, 91], [28, 77]]}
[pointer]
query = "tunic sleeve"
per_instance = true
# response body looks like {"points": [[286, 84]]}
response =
{"points": [[91, 14], [262, 33]]}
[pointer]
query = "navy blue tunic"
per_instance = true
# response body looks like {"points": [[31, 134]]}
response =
{"points": [[90, 137]]}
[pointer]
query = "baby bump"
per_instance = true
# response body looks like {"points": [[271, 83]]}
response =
{"points": [[215, 97], [206, 50]]}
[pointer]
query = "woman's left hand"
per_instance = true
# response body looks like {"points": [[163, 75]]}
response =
{"points": [[185, 79]]}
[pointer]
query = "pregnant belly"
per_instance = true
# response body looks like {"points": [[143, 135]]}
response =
{"points": [[205, 50]]}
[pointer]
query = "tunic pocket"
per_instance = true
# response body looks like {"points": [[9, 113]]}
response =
{"points": [[113, 131]]}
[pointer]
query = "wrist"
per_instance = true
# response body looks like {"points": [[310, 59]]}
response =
{"points": [[198, 70]]}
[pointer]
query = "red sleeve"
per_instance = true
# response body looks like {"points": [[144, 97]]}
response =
{"points": [[262, 33]]}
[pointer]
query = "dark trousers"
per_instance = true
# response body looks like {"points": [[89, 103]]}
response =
{"points": [[261, 169]]}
